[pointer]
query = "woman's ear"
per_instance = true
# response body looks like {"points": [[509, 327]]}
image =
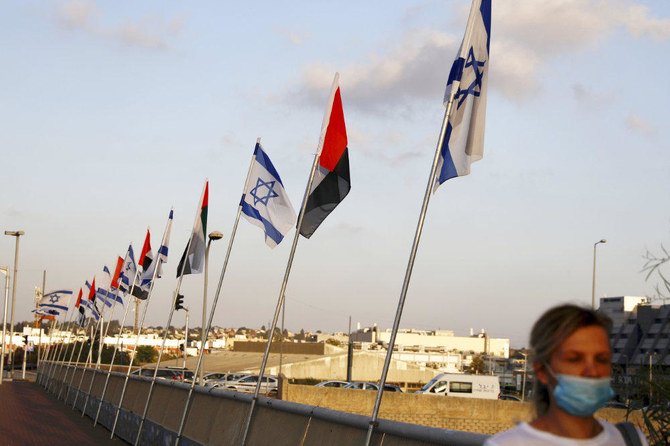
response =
{"points": [[541, 373]]}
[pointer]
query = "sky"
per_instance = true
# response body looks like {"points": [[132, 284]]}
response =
{"points": [[114, 112]]}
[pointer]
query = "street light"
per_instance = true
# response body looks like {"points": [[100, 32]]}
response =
{"points": [[523, 384], [16, 234], [593, 286], [214, 235], [5, 271]]}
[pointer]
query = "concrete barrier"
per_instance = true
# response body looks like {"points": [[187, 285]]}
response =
{"points": [[217, 416], [460, 414]]}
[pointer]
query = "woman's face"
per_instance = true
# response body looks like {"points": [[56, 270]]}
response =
{"points": [[585, 353]]}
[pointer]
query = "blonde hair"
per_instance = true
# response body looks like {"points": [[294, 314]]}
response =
{"points": [[549, 332]]}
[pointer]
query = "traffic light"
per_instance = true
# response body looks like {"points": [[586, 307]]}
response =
{"points": [[179, 303], [181, 347], [25, 340]]}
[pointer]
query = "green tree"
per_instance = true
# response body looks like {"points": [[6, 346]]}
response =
{"points": [[477, 365], [146, 354]]}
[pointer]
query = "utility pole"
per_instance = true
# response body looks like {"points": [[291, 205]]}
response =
{"points": [[15, 234]]}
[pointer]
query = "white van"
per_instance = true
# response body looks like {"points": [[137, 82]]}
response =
{"points": [[463, 385]]}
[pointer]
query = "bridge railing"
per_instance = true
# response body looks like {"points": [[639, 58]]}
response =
{"points": [[217, 416]]}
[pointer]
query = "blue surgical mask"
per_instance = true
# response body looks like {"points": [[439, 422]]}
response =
{"points": [[581, 396]]}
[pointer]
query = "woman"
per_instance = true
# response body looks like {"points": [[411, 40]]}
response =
{"points": [[572, 364]]}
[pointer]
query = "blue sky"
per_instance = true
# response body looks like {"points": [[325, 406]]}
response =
{"points": [[115, 111]]}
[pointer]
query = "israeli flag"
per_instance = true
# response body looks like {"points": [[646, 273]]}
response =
{"points": [[54, 302], [264, 202], [463, 142], [128, 271], [91, 308]]}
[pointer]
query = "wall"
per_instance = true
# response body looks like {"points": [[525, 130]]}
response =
{"points": [[304, 348], [463, 414]]}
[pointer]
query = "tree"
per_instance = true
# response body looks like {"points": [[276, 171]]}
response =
{"points": [[145, 354], [653, 267], [477, 365]]}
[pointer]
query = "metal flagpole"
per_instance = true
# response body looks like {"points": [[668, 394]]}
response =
{"points": [[167, 326], [62, 352], [184, 414], [39, 343], [51, 366], [280, 300], [410, 264], [69, 361], [111, 362], [51, 331], [81, 350], [89, 356], [139, 331], [103, 334]]}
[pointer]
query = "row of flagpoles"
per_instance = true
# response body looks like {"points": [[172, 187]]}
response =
{"points": [[265, 204]]}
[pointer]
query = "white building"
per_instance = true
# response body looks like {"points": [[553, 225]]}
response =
{"points": [[436, 340]]}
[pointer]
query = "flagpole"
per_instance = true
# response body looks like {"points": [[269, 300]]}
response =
{"points": [[172, 309], [139, 328], [81, 350], [103, 334], [62, 353], [287, 273], [50, 370], [160, 352], [89, 356], [44, 376], [184, 414], [116, 347], [51, 330], [69, 362], [48, 349], [410, 265]]}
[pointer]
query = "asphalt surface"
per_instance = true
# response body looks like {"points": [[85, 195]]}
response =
{"points": [[31, 416]]}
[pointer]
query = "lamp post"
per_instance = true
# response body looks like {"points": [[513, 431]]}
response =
{"points": [[5, 271], [16, 234], [593, 282], [214, 235], [523, 384]]}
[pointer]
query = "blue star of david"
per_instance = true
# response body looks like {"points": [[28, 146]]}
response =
{"points": [[54, 298], [475, 87], [270, 193]]}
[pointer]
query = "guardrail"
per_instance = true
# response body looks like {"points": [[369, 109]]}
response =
{"points": [[217, 416]]}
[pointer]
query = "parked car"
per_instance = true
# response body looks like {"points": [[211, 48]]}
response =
{"points": [[223, 380], [332, 383], [372, 386], [174, 374], [247, 384]]}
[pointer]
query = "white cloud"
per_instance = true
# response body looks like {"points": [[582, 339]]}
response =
{"points": [[639, 124], [525, 36], [146, 32]]}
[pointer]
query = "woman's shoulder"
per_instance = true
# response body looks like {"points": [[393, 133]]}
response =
{"points": [[525, 434]]}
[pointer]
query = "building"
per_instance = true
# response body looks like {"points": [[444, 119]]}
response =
{"points": [[434, 341], [640, 331]]}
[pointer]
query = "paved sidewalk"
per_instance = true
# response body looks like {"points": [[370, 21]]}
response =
{"points": [[31, 416]]}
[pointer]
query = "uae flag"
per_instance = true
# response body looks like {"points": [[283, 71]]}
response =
{"points": [[193, 259], [141, 288], [331, 181]]}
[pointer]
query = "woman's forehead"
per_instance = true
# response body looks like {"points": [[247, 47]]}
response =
{"points": [[590, 338]]}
